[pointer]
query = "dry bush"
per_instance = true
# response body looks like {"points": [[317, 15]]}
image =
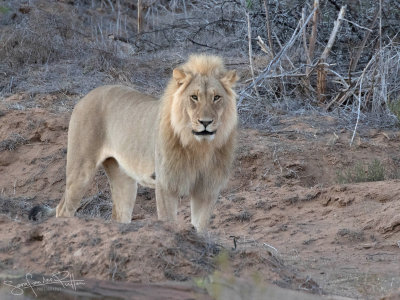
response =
{"points": [[340, 73], [73, 46], [12, 142], [374, 171], [38, 39], [50, 47], [15, 206], [97, 206], [211, 25], [376, 92]]}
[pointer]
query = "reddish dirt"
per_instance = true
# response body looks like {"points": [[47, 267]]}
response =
{"points": [[293, 224]]}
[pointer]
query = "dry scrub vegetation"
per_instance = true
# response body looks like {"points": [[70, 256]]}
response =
{"points": [[322, 55]]}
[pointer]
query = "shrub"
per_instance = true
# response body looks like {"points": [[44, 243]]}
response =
{"points": [[374, 171], [394, 107]]}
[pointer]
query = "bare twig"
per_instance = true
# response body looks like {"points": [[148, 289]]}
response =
{"points": [[334, 32], [264, 47], [321, 72], [313, 37], [139, 16], [111, 5], [297, 32], [268, 25], [380, 24], [251, 52], [359, 96], [355, 24], [308, 59], [357, 56], [307, 54]]}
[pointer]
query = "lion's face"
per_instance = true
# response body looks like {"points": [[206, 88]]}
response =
{"points": [[204, 106], [205, 101]]}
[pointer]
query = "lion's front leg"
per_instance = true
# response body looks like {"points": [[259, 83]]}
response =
{"points": [[167, 204], [201, 205]]}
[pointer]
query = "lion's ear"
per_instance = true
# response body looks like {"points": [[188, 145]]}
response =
{"points": [[230, 78], [179, 75]]}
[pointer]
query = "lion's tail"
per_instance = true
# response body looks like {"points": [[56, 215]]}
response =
{"points": [[40, 211]]}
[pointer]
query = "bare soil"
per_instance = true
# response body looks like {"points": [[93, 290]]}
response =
{"points": [[283, 218]]}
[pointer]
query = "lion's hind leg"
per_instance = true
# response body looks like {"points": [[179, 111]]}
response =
{"points": [[79, 175], [123, 191]]}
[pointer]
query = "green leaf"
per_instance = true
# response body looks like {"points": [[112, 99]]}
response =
{"points": [[4, 9], [249, 4]]}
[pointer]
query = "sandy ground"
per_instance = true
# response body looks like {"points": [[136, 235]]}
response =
{"points": [[292, 223]]}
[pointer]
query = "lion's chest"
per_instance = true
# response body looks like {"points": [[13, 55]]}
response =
{"points": [[182, 174]]}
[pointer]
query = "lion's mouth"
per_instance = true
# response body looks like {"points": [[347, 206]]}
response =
{"points": [[204, 132]]}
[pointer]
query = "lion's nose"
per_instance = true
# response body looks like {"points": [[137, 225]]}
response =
{"points": [[205, 122]]}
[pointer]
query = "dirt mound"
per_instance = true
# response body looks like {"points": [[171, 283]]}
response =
{"points": [[143, 251], [283, 217]]}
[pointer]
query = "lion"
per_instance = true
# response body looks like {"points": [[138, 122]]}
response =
{"points": [[182, 144]]}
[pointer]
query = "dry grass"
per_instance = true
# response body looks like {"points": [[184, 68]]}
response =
{"points": [[193, 249], [244, 216], [12, 142], [372, 171], [74, 46], [15, 207], [97, 206]]}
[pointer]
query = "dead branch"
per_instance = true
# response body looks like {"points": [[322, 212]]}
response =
{"points": [[268, 25], [321, 72], [203, 45], [307, 54], [359, 95], [139, 16], [355, 24], [297, 32], [303, 17], [285, 75], [251, 52], [321, 83], [334, 32], [357, 56], [313, 37], [264, 47]]}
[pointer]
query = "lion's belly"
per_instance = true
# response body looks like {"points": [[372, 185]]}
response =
{"points": [[142, 171], [131, 128]]}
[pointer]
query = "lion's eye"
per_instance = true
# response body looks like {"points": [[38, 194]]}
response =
{"points": [[216, 98], [194, 97]]}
